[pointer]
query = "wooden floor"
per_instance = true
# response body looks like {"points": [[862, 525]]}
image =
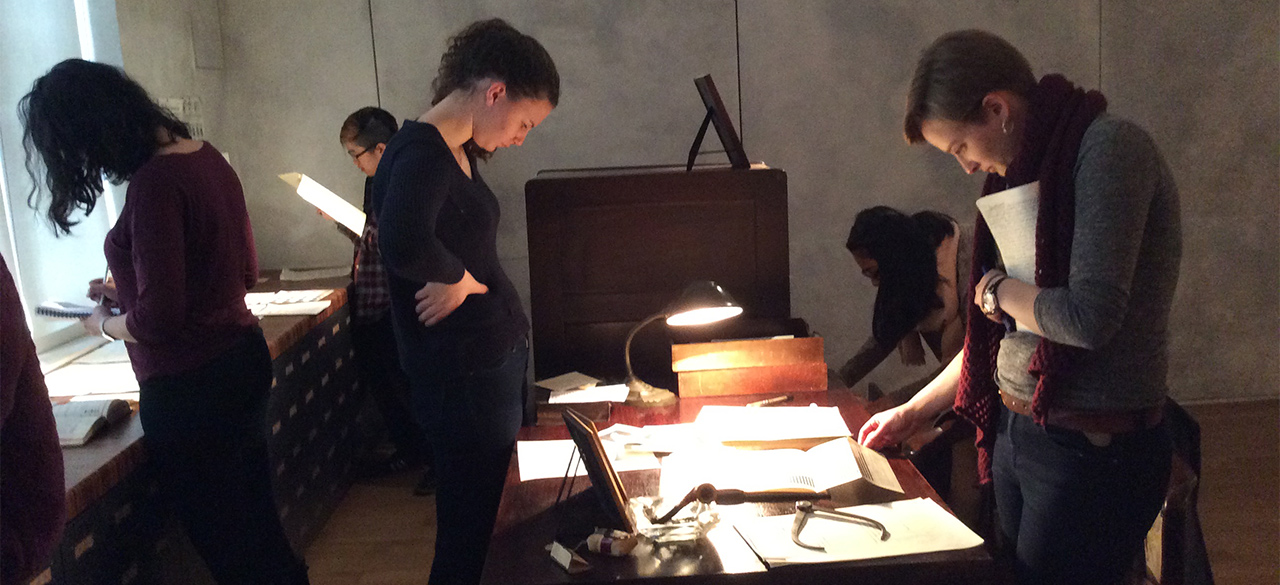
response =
{"points": [[1240, 490], [382, 534]]}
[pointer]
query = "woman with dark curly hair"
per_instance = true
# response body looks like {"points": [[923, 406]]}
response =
{"points": [[917, 264], [182, 254], [457, 317]]}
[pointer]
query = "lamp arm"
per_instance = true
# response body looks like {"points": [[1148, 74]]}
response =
{"points": [[626, 351]]}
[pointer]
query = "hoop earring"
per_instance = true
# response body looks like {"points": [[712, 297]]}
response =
{"points": [[1004, 126]]}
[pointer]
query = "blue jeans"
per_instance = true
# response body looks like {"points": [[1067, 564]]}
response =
{"points": [[1074, 512], [472, 418], [205, 433]]}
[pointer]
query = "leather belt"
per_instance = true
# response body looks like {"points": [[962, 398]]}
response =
{"points": [[1092, 421]]}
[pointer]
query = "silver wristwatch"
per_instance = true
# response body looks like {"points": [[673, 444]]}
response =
{"points": [[990, 303], [102, 330]]}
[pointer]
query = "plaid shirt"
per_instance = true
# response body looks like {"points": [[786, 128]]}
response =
{"points": [[372, 296]]}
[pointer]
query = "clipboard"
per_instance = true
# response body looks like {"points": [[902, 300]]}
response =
{"points": [[608, 489]]}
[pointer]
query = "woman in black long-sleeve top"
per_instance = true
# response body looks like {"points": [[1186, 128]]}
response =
{"points": [[457, 317]]}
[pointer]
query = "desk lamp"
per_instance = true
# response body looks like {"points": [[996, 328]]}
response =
{"points": [[701, 302]]}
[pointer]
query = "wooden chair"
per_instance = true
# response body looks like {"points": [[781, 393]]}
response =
{"points": [[1175, 552]]}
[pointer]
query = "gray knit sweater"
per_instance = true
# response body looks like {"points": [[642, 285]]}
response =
{"points": [[1124, 268]]}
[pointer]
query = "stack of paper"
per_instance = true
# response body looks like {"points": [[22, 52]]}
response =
{"points": [[915, 526]]}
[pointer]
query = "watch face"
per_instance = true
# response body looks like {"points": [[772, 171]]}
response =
{"points": [[988, 301]]}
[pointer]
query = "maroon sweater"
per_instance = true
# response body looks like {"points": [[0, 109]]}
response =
{"points": [[182, 255], [32, 490]]}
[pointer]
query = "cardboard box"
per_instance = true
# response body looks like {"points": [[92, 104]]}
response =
{"points": [[750, 366]]}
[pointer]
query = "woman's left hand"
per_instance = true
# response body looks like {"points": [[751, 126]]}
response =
{"points": [[437, 300], [997, 316], [93, 323]]}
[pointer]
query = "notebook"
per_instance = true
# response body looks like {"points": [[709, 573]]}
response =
{"points": [[67, 310]]}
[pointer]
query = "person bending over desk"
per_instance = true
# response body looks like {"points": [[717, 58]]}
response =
{"points": [[916, 263], [1067, 396], [182, 254]]}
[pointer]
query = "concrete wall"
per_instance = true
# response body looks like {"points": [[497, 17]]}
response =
{"points": [[823, 84]]}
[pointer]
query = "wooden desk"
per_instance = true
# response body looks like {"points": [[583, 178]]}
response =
{"points": [[527, 523], [119, 532]]}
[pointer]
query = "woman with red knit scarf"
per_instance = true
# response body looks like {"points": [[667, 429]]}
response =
{"points": [[1063, 370]]}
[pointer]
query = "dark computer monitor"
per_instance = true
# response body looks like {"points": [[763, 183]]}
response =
{"points": [[718, 115], [604, 480]]}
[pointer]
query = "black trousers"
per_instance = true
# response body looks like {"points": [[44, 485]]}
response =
{"points": [[378, 366], [1075, 512], [472, 417], [205, 433]]}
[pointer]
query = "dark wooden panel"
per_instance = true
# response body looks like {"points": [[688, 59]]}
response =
{"points": [[607, 249]]}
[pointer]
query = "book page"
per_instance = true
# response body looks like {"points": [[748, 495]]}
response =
{"points": [[725, 468], [1011, 215], [747, 426], [327, 201], [833, 463]]}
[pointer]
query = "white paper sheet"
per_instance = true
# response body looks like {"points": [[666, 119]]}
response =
{"points": [[327, 201], [550, 459], [1011, 216], [82, 379], [774, 424], [291, 275], [611, 393], [569, 381], [915, 526]]}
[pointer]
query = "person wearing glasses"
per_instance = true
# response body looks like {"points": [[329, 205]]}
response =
{"points": [[364, 135], [1063, 372], [458, 319], [182, 255]]}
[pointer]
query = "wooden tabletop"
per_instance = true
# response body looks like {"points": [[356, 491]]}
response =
{"points": [[94, 468], [527, 522]]}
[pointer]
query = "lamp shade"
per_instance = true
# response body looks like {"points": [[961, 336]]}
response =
{"points": [[702, 302]]}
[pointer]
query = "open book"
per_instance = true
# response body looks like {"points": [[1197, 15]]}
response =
{"points": [[77, 422], [851, 473]]}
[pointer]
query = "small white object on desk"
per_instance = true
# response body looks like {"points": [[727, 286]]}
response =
{"points": [[611, 393], [291, 275], [287, 302]]}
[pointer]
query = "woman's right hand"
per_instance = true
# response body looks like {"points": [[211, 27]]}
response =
{"points": [[437, 300], [888, 428], [98, 288]]}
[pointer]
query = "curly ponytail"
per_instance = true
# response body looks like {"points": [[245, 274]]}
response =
{"points": [[494, 49]]}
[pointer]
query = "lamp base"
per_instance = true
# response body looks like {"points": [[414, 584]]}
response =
{"points": [[645, 395]]}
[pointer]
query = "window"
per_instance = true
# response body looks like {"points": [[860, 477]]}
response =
{"points": [[34, 36]]}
